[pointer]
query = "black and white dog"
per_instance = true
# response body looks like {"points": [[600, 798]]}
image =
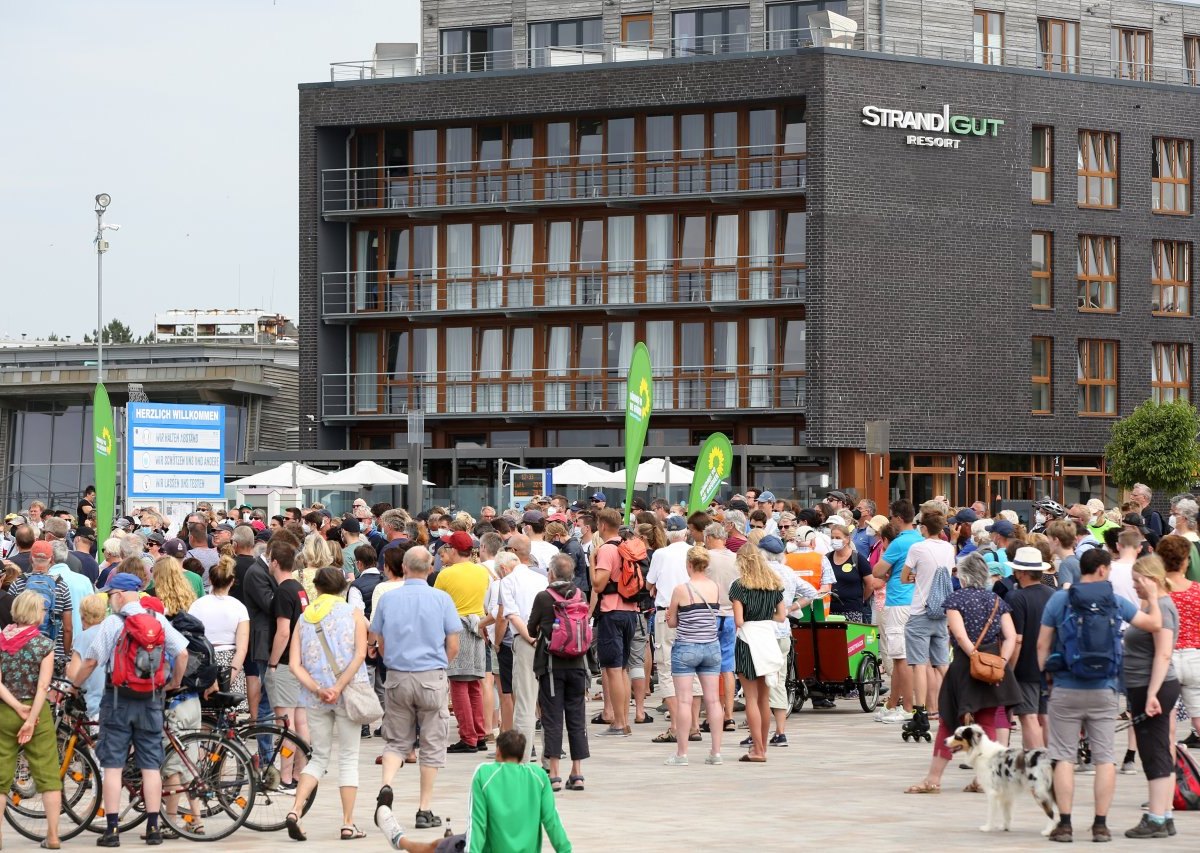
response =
{"points": [[1003, 773]]}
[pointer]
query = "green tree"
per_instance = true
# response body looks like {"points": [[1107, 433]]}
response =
{"points": [[115, 332], [1156, 445]]}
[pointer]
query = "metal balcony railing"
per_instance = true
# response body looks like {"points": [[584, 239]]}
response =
{"points": [[531, 288], [495, 393], [565, 179], [756, 42]]}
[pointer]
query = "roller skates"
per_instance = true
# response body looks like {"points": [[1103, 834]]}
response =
{"points": [[918, 727]]}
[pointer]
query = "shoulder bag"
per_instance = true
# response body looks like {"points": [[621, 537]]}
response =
{"points": [[987, 667], [362, 705]]}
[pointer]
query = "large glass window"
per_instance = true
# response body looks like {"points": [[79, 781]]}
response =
{"points": [[1191, 59], [1098, 166], [1041, 165], [1042, 269], [1171, 372], [1131, 53], [476, 49], [788, 26], [1096, 273], [989, 37], [1058, 45], [1042, 376], [583, 34], [1096, 375], [712, 30], [1171, 278], [1171, 176]]}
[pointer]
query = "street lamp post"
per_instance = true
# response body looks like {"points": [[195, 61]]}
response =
{"points": [[102, 202], [416, 460]]}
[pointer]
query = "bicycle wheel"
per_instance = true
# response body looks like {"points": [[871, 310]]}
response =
{"points": [[80, 798], [278, 746], [795, 688], [215, 792], [132, 811]]}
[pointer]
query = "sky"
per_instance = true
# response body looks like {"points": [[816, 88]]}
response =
{"points": [[185, 112]]}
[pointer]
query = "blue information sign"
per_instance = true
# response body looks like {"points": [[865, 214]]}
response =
{"points": [[175, 450]]}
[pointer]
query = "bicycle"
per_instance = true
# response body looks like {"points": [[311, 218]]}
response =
{"points": [[270, 743]]}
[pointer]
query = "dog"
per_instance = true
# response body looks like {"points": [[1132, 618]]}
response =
{"points": [[1003, 773]]}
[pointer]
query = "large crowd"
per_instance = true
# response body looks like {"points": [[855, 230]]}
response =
{"points": [[443, 633]]}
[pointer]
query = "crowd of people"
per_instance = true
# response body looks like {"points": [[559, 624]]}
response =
{"points": [[490, 635]]}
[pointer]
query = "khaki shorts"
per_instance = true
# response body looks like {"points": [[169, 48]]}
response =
{"points": [[184, 717], [778, 698], [664, 641], [895, 619], [412, 698], [1187, 670], [283, 688], [1092, 711]]}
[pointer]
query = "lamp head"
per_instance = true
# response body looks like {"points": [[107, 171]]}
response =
{"points": [[103, 200]]}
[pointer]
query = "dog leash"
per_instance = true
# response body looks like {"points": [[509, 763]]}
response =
{"points": [[1140, 718]]}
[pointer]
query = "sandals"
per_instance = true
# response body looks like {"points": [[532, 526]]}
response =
{"points": [[574, 783], [731, 725], [663, 737], [923, 788], [753, 759], [555, 783], [599, 720], [351, 832], [646, 718], [46, 845], [293, 827]]}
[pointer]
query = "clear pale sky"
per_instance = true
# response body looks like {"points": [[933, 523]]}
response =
{"points": [[184, 111]]}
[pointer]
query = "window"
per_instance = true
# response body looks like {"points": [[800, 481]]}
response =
{"points": [[989, 37], [1097, 274], [1191, 58], [712, 31], [1058, 45], [1042, 269], [1171, 278], [1171, 373], [1171, 176], [1098, 152], [1096, 375], [476, 49], [581, 33], [1042, 371], [1041, 165], [1131, 53], [637, 29], [787, 23]]}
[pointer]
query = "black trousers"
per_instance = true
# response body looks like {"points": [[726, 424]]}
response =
{"points": [[1153, 734], [569, 701]]}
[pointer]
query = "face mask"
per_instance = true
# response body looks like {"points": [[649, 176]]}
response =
{"points": [[838, 544], [775, 516], [1040, 517], [871, 534], [445, 533], [304, 526], [1171, 522], [145, 531]]}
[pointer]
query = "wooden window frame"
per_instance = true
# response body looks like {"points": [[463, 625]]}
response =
{"points": [[1043, 380], [1191, 58], [1091, 144], [1048, 169], [636, 17], [1094, 349], [1166, 389], [1087, 277], [1126, 67], [1178, 154], [1066, 62], [1171, 267], [986, 16], [1046, 275]]}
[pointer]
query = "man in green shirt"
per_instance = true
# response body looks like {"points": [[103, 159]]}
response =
{"points": [[510, 802]]}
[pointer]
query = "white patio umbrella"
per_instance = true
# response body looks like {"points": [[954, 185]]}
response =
{"points": [[652, 472], [576, 472], [289, 475], [363, 475]]}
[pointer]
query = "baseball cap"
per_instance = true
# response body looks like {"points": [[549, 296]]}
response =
{"points": [[838, 495], [122, 523], [41, 548], [156, 537], [739, 503], [556, 516], [966, 515], [577, 506], [123, 582], [351, 525], [532, 517], [599, 496], [176, 548], [228, 525], [258, 525], [835, 521], [676, 523], [771, 544], [460, 541], [1004, 527], [766, 497], [1095, 505], [153, 602], [14, 517]]}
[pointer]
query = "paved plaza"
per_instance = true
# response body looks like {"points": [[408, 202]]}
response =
{"points": [[838, 786]]}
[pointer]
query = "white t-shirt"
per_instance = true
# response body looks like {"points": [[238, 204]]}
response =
{"points": [[517, 591], [668, 569], [924, 559], [221, 615], [380, 589], [1120, 575], [542, 552]]}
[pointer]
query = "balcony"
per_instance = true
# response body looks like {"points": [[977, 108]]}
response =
{"points": [[612, 287], [533, 394], [619, 178]]}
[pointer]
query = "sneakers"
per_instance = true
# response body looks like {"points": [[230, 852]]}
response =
{"points": [[481, 746], [1129, 768], [611, 732], [676, 761], [109, 839], [1062, 832], [427, 820], [391, 828], [880, 713], [1085, 768], [778, 740], [1170, 826], [896, 715], [1148, 828], [713, 759], [747, 742], [1192, 741], [366, 732], [154, 837], [461, 746], [383, 800], [1102, 833]]}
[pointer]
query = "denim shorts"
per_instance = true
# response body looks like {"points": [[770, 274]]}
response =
{"points": [[126, 722], [696, 658], [727, 633]]}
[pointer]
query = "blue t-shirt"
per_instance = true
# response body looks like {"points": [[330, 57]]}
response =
{"points": [[899, 594], [1053, 614], [93, 687]]}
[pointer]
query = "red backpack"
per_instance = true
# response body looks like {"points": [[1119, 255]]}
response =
{"points": [[571, 635], [140, 664], [1187, 782], [631, 582]]}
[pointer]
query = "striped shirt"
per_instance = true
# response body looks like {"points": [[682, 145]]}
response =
{"points": [[697, 619]]}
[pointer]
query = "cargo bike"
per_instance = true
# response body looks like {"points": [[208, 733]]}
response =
{"points": [[832, 658]]}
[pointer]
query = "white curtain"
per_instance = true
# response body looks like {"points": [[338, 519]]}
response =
{"points": [[660, 340], [491, 266], [762, 346], [725, 250], [658, 256], [489, 395], [558, 259], [762, 240], [366, 364], [558, 355], [362, 265], [620, 259], [520, 263], [425, 358], [458, 370], [520, 394], [458, 266]]}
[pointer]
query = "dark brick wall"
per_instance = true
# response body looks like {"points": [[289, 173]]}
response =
{"points": [[918, 308]]}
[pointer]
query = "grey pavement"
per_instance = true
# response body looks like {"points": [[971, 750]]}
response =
{"points": [[838, 786]]}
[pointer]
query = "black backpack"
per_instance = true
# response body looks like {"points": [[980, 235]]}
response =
{"points": [[202, 669]]}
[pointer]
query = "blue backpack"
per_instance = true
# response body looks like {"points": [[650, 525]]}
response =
{"points": [[44, 585], [1089, 634], [941, 589]]}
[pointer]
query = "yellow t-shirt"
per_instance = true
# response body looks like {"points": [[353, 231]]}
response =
{"points": [[467, 584]]}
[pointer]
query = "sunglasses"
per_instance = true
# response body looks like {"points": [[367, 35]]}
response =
{"points": [[786, 526]]}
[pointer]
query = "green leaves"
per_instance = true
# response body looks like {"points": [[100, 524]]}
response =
{"points": [[1156, 445]]}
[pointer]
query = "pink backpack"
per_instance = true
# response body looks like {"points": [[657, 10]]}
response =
{"points": [[571, 635]]}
